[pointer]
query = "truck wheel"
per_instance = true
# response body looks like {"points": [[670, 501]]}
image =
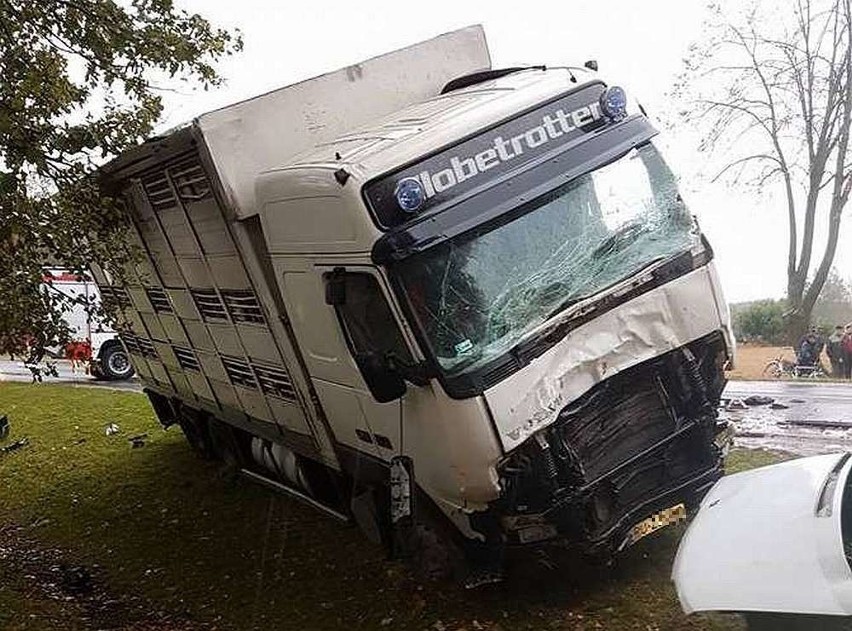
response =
{"points": [[115, 363]]}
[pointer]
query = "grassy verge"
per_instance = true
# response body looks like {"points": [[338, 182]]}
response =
{"points": [[160, 524]]}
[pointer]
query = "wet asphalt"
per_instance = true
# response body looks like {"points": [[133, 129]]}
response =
{"points": [[804, 417], [17, 371]]}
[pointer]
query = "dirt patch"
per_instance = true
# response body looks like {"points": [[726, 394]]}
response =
{"points": [[752, 360], [63, 595]]}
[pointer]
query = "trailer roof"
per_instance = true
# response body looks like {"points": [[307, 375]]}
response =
{"points": [[268, 130]]}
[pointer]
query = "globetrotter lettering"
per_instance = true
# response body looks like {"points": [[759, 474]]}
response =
{"points": [[463, 168]]}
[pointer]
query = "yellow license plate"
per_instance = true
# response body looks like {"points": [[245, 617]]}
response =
{"points": [[664, 518]]}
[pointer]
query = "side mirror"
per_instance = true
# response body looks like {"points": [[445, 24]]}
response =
{"points": [[385, 383]]}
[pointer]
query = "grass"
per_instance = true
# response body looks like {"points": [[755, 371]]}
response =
{"points": [[164, 526]]}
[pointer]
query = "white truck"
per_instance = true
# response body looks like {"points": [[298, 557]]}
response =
{"points": [[466, 308], [93, 344]]}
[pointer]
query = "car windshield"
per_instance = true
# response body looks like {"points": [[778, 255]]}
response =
{"points": [[477, 295]]}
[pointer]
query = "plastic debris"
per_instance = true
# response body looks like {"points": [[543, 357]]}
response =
{"points": [[137, 441], [21, 442], [757, 399], [737, 404], [75, 579], [4, 427], [112, 429], [779, 406]]}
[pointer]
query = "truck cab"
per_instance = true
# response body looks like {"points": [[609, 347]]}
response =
{"points": [[504, 286]]}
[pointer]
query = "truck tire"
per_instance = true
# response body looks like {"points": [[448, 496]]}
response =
{"points": [[115, 363]]}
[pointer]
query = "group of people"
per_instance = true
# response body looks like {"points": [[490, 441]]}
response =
{"points": [[838, 347]]}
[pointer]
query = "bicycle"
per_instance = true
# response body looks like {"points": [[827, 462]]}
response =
{"points": [[780, 367]]}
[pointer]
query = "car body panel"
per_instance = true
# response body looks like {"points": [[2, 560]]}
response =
{"points": [[757, 544]]}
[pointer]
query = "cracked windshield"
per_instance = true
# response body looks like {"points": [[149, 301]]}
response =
{"points": [[478, 295]]}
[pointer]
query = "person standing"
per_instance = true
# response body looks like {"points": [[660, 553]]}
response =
{"points": [[807, 352], [835, 352], [847, 352]]}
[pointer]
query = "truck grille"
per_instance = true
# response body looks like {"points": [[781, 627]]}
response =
{"points": [[209, 304], [632, 438], [186, 358], [239, 372], [159, 299], [275, 382], [243, 306]]}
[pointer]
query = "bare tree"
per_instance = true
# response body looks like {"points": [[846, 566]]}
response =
{"points": [[772, 90]]}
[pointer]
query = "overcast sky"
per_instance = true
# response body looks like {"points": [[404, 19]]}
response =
{"points": [[639, 45]]}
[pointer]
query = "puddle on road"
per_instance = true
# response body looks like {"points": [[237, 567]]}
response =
{"points": [[796, 429]]}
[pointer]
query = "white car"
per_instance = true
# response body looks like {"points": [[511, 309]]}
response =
{"points": [[772, 543]]}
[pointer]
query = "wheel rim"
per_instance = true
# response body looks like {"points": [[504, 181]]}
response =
{"points": [[119, 363]]}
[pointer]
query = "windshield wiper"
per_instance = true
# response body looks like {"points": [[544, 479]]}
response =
{"points": [[568, 302]]}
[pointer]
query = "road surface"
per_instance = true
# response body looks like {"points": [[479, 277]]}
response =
{"points": [[808, 417], [16, 371]]}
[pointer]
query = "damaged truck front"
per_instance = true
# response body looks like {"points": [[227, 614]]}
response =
{"points": [[483, 318]]}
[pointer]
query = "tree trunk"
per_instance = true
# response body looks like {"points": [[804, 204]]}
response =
{"points": [[796, 322]]}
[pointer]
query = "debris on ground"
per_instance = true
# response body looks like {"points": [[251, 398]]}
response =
{"points": [[4, 427], [112, 429], [736, 404], [758, 399], [75, 579], [21, 442], [138, 441], [779, 406]]}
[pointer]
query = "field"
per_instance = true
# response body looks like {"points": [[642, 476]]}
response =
{"points": [[752, 359], [97, 534]]}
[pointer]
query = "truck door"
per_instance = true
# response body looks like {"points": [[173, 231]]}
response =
{"points": [[333, 335]]}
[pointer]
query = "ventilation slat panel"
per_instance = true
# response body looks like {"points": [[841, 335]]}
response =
{"points": [[239, 372], [190, 180], [275, 382], [130, 343], [243, 307], [139, 346], [209, 304], [159, 300], [114, 297], [146, 348], [186, 358], [158, 191]]}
